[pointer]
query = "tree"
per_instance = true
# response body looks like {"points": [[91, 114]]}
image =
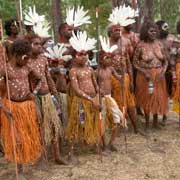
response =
{"points": [[57, 17]]}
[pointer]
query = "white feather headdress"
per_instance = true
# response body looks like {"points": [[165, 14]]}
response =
{"points": [[42, 29], [105, 44], [32, 18], [81, 42], [40, 25], [57, 52], [123, 15], [77, 17]]}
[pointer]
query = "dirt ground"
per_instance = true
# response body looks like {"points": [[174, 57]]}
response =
{"points": [[156, 157]]}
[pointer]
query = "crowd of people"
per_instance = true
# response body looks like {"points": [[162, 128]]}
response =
{"points": [[49, 93]]}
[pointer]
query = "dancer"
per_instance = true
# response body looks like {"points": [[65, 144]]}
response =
{"points": [[151, 63]]}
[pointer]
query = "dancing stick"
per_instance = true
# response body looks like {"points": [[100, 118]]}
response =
{"points": [[10, 107]]}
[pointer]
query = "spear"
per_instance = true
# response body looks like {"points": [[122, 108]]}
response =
{"points": [[10, 107], [123, 97], [97, 60]]}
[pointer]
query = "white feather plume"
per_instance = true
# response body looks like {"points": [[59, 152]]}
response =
{"points": [[81, 42], [32, 18], [57, 52], [77, 17], [105, 44], [42, 29], [123, 15]]}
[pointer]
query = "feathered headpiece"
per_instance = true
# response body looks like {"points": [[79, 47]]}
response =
{"points": [[57, 53], [77, 17], [32, 18], [40, 25], [81, 42], [42, 29], [123, 15], [105, 44]]}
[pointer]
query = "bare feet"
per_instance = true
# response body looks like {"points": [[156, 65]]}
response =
{"points": [[61, 161], [112, 148], [73, 159], [22, 177]]}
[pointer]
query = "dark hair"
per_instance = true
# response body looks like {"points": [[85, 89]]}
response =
{"points": [[7, 26], [20, 47], [144, 30], [160, 23], [162, 33], [178, 27], [31, 37]]}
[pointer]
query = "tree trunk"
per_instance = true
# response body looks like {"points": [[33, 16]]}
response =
{"points": [[56, 12], [149, 10]]}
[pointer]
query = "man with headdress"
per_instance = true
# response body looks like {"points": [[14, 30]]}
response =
{"points": [[83, 124], [112, 117], [74, 19], [51, 124], [122, 92]]}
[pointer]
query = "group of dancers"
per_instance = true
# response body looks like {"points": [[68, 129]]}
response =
{"points": [[49, 92]]}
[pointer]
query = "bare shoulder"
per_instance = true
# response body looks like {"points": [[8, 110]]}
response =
{"points": [[73, 70]]}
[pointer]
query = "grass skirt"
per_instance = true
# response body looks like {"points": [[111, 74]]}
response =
{"points": [[89, 130], [156, 103], [63, 101], [26, 133], [176, 96], [129, 99], [51, 123]]}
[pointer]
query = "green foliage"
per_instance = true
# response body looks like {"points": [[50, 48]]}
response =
{"points": [[165, 9]]}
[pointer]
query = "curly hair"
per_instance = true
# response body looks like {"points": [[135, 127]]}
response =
{"points": [[7, 26], [178, 27], [145, 28], [20, 47]]}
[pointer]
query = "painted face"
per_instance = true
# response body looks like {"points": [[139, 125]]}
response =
{"points": [[152, 33], [81, 58], [105, 60], [165, 27], [37, 46], [116, 31], [14, 28], [67, 31]]}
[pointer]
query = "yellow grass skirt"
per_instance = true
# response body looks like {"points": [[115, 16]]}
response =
{"points": [[176, 96], [26, 132], [90, 130]]}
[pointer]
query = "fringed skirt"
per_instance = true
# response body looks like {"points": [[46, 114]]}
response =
{"points": [[156, 103], [26, 134], [128, 101], [111, 114], [51, 123], [176, 96], [84, 122], [64, 107]]}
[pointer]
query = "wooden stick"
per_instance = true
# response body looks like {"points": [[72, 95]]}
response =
{"points": [[10, 109]]}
